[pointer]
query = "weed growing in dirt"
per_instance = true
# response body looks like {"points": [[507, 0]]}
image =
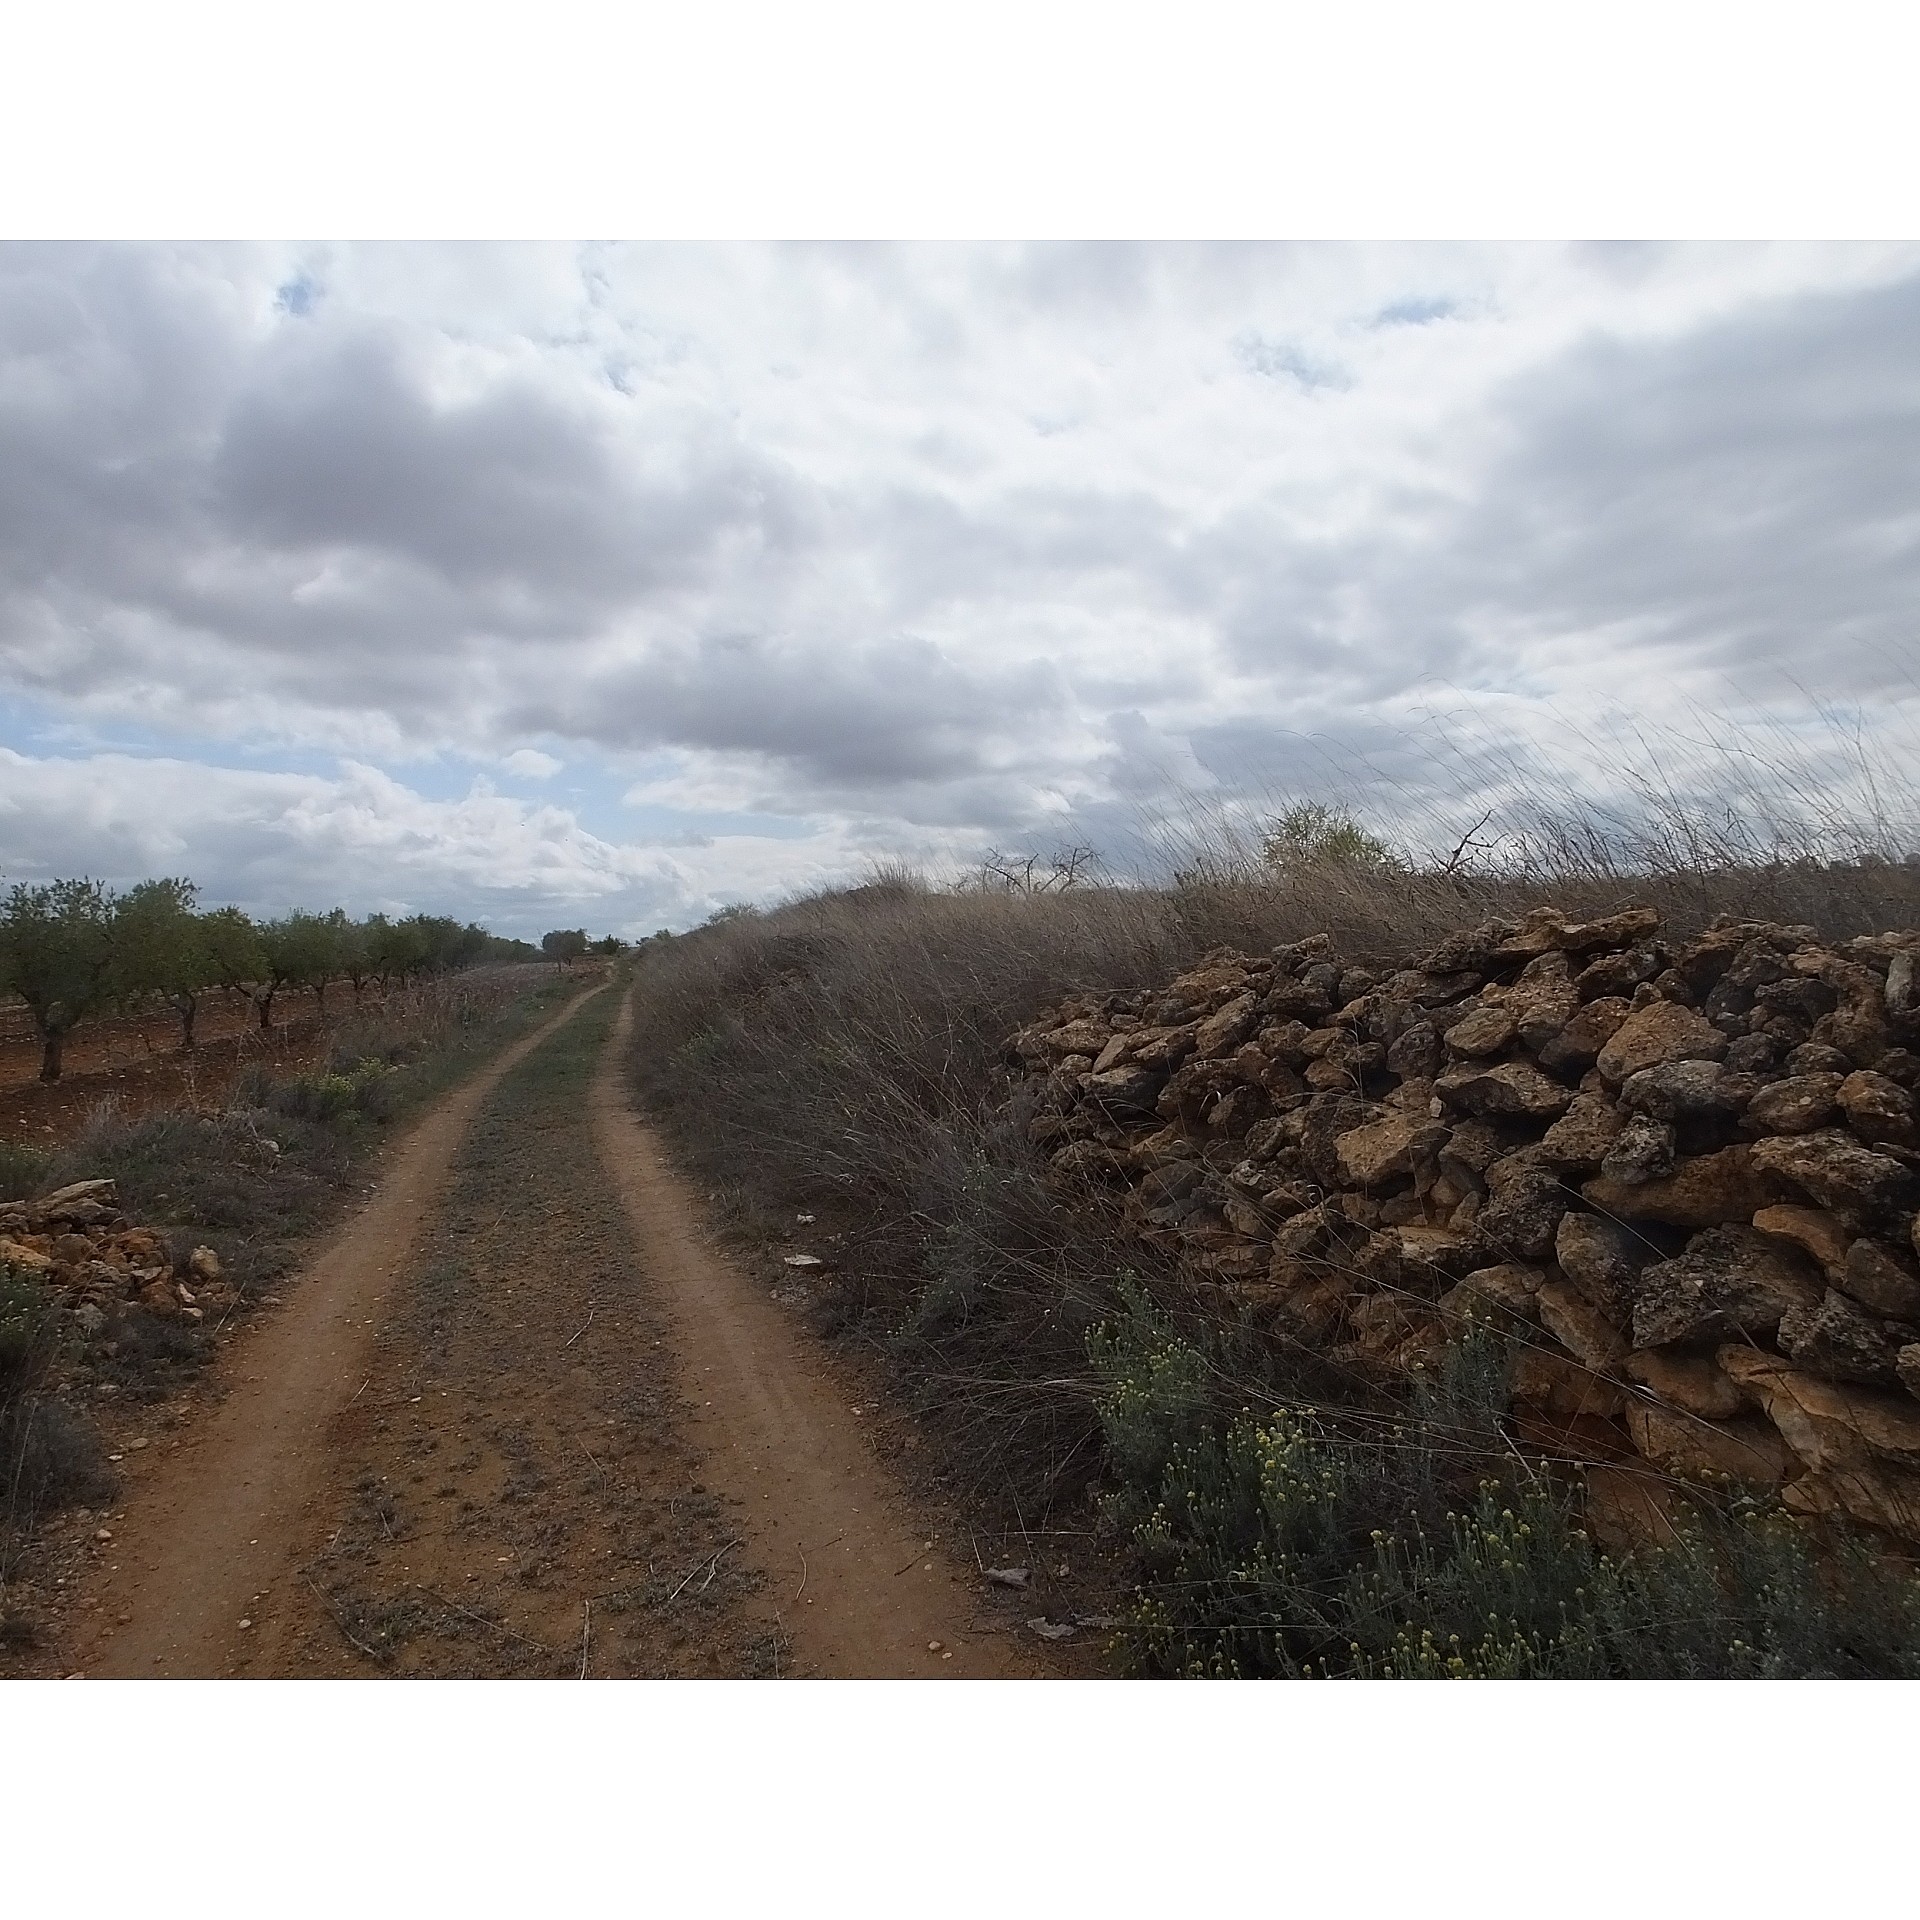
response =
{"points": [[1308, 1544]]}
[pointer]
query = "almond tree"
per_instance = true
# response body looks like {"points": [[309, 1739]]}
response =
{"points": [[300, 951], [160, 947], [235, 956], [57, 954]]}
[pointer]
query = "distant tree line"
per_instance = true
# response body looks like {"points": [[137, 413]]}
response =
{"points": [[72, 949]]}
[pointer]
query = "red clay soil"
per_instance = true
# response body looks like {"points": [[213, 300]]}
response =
{"points": [[623, 1458], [135, 1065]]}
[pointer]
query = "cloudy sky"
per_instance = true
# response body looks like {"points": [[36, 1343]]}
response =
{"points": [[546, 584]]}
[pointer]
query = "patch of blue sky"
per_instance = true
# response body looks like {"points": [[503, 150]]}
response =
{"points": [[1289, 360], [48, 732], [1415, 310]]}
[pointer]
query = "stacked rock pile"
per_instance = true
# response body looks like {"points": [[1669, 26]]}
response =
{"points": [[1682, 1175], [78, 1241]]}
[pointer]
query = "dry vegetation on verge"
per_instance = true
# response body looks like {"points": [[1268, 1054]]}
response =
{"points": [[842, 1056]]}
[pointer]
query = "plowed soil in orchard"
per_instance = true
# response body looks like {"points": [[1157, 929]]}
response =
{"points": [[520, 1418], [135, 1063]]}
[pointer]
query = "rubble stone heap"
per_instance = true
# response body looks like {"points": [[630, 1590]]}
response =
{"points": [[1682, 1175], [79, 1242]]}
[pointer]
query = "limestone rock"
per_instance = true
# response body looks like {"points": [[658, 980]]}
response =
{"points": [[1655, 1035], [1813, 1057], [1838, 1420], [1417, 1053], [1088, 1161], [1488, 1292], [1580, 1327], [1878, 1278], [1483, 1033], [1324, 1119], [1618, 975], [1513, 1087], [1125, 1090], [1906, 1364], [1542, 1000], [1686, 1090], [1525, 1203], [1902, 991], [1381, 1153], [1644, 1149], [1839, 1341], [1864, 1446], [1878, 1109], [1797, 1104], [1579, 1139], [1221, 1032], [1816, 1232], [1089, 1037], [1750, 1451], [1836, 1171], [1709, 1189], [1563, 1386], [24, 1259], [83, 1203], [1693, 1382], [1577, 1045], [1547, 929], [1729, 1280], [1603, 1259]]}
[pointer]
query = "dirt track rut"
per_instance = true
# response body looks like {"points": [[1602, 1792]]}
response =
{"points": [[594, 1448]]}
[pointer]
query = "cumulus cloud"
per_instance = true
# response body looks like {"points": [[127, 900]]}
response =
{"points": [[529, 763], [906, 547]]}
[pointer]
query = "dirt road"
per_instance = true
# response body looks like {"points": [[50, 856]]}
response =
{"points": [[869, 1595], [520, 1417]]}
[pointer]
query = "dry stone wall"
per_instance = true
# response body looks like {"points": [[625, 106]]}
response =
{"points": [[1681, 1174]]}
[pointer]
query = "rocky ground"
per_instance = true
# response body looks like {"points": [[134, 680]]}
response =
{"points": [[1680, 1174]]}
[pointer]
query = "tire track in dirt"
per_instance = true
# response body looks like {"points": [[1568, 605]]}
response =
{"points": [[859, 1588], [521, 1417], [515, 1493], [207, 1529]]}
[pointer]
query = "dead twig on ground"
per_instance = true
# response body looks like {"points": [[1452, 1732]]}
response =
{"points": [[480, 1619], [333, 1613], [711, 1563]]}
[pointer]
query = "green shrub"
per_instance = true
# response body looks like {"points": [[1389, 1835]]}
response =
{"points": [[1331, 1547], [22, 1171]]}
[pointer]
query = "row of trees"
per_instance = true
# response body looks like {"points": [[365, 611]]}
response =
{"points": [[73, 948]]}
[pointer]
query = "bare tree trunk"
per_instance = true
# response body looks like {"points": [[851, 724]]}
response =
{"points": [[187, 1005]]}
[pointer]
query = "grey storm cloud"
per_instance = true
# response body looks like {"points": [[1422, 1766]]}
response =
{"points": [[935, 542]]}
